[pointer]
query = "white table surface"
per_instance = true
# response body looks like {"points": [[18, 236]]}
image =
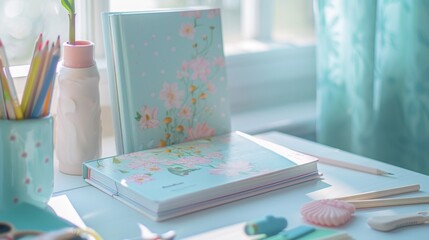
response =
{"points": [[84, 204]]}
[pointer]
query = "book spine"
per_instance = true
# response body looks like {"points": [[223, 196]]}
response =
{"points": [[108, 32], [86, 172], [100, 186], [123, 82]]}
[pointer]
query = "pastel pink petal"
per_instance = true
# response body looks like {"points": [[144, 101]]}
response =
{"points": [[328, 212]]}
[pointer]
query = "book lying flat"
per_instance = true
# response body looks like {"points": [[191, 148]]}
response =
{"points": [[167, 76], [175, 180]]}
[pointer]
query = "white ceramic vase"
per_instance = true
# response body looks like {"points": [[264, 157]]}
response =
{"points": [[78, 116]]}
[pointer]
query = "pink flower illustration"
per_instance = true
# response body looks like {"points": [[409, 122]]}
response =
{"points": [[172, 96], [200, 131], [210, 87], [149, 117], [232, 169], [137, 164], [187, 30], [219, 61], [139, 178], [189, 162], [185, 65], [182, 74], [200, 68], [214, 155], [185, 113], [148, 164]]}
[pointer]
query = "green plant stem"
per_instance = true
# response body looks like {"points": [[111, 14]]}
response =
{"points": [[72, 21]]}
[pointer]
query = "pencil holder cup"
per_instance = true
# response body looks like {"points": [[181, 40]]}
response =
{"points": [[26, 162]]}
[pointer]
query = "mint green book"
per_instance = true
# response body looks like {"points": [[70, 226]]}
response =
{"points": [[167, 76], [167, 182]]}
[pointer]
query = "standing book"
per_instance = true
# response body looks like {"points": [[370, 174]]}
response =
{"points": [[179, 179], [167, 76]]}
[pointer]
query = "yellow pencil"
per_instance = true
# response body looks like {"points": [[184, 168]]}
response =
{"points": [[29, 85], [10, 112], [39, 75]]}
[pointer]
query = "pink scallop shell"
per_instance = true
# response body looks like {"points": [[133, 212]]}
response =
{"points": [[328, 212]]}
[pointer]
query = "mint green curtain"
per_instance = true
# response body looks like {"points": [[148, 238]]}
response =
{"points": [[373, 79]]}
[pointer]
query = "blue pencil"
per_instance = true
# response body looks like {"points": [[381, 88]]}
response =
{"points": [[49, 77], [3, 113]]}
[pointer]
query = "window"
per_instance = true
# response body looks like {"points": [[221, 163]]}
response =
{"points": [[294, 21], [22, 21], [286, 21]]}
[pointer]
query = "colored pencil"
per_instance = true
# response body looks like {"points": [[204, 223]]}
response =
{"points": [[39, 87], [48, 101], [10, 112], [388, 202], [31, 79], [32, 75], [3, 113], [46, 83], [382, 193], [353, 166], [33, 91], [10, 85]]}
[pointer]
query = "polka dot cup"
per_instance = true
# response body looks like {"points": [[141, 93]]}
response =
{"points": [[26, 162]]}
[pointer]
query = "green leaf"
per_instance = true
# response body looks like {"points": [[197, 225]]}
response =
{"points": [[68, 5], [123, 171], [138, 116]]}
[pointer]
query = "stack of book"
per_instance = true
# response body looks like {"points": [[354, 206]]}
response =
{"points": [[171, 115], [171, 181]]}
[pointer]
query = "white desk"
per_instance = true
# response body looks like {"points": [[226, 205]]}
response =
{"points": [[114, 220]]}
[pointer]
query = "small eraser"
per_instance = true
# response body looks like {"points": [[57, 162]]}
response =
{"points": [[269, 226]]}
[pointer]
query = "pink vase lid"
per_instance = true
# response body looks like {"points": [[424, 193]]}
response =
{"points": [[79, 55]]}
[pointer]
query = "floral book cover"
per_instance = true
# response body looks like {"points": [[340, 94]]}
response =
{"points": [[166, 76], [217, 166]]}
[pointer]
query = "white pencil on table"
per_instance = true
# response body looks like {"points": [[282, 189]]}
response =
{"points": [[353, 166], [382, 193], [388, 202]]}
